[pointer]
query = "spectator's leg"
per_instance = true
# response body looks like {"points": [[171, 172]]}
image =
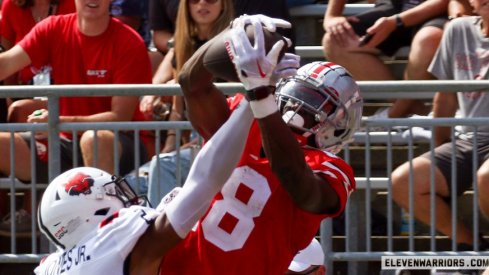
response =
{"points": [[483, 185], [158, 187], [105, 149], [423, 48], [421, 187], [362, 64], [22, 157]]}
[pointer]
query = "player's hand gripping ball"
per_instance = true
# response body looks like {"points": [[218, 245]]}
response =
{"points": [[217, 57]]}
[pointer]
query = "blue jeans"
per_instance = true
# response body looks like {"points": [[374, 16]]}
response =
{"points": [[139, 183], [166, 167]]}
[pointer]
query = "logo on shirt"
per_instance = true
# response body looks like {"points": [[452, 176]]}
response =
{"points": [[79, 183], [97, 73], [60, 233]]}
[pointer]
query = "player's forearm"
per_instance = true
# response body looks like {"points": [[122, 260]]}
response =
{"points": [[287, 161], [207, 107], [211, 169], [194, 78], [220, 155]]}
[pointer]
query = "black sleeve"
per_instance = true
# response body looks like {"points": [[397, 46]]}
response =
{"points": [[163, 14], [271, 8]]}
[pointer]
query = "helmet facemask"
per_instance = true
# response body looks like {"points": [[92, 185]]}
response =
{"points": [[120, 189], [316, 111]]}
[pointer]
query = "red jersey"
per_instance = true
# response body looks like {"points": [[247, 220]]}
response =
{"points": [[253, 226], [117, 56], [17, 22]]}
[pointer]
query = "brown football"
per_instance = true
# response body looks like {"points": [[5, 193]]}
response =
{"points": [[217, 61]]}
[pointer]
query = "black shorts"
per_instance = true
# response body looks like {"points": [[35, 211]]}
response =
{"points": [[126, 163], [463, 158], [400, 37]]}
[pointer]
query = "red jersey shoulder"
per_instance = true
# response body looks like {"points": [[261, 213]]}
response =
{"points": [[324, 162]]}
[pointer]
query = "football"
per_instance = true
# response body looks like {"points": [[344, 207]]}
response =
{"points": [[217, 61]]}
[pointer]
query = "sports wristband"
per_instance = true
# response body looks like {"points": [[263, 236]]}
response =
{"points": [[259, 93], [264, 107], [399, 23]]}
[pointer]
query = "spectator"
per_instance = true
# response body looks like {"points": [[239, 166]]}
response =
{"points": [[454, 61], [100, 50], [279, 182], [163, 15], [162, 18], [356, 42], [135, 14], [197, 27], [113, 239], [18, 18], [197, 22], [310, 260]]}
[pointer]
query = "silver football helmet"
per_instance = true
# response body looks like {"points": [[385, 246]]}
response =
{"points": [[78, 200], [322, 101]]}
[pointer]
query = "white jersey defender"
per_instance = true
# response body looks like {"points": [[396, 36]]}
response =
{"points": [[103, 251]]}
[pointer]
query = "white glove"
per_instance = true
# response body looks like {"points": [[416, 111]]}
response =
{"points": [[269, 23], [287, 66], [253, 65]]}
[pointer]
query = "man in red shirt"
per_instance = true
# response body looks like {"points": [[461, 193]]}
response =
{"points": [[86, 47], [18, 20], [288, 179]]}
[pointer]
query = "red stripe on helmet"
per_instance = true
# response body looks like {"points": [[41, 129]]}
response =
{"points": [[320, 68]]}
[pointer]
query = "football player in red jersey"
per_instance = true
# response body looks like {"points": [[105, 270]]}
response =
{"points": [[288, 179]]}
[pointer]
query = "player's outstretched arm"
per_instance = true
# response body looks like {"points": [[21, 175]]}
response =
{"points": [[207, 107], [211, 169]]}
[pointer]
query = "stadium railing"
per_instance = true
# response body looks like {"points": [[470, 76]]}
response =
{"points": [[358, 235]]}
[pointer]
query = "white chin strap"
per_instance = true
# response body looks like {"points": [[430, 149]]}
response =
{"points": [[292, 118]]}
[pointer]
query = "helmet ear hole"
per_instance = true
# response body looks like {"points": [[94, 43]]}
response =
{"points": [[339, 132], [102, 211]]}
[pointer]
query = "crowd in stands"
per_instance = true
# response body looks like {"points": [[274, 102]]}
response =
{"points": [[151, 40], [471, 64]]}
